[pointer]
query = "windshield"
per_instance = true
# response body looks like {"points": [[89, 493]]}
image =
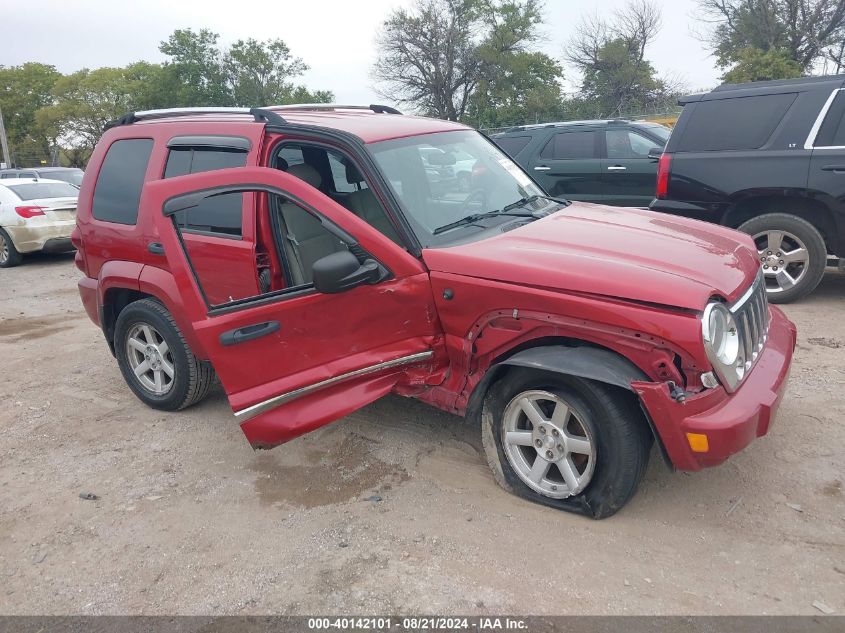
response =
{"points": [[444, 177], [36, 190]]}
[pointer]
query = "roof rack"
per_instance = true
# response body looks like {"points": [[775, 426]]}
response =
{"points": [[262, 115]]}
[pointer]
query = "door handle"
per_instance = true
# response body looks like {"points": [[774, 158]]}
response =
{"points": [[248, 333], [616, 168], [542, 168], [156, 248], [834, 168]]}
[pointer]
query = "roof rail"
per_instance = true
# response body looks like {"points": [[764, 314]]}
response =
{"points": [[378, 109], [261, 115]]}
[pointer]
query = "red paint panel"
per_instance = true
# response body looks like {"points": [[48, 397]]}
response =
{"points": [[225, 267]]}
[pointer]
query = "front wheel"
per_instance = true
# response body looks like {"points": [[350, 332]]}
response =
{"points": [[565, 442], [792, 254]]}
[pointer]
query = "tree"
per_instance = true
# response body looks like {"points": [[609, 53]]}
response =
{"points": [[610, 55], [194, 74], [753, 64], [259, 73], [23, 90], [803, 31], [427, 56], [515, 84]]}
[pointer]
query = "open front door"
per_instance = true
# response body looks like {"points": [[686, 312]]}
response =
{"points": [[292, 358]]}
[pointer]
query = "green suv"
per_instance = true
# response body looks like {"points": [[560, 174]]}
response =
{"points": [[607, 162]]}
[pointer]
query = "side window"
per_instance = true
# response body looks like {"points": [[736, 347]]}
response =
{"points": [[512, 145], [231, 271], [740, 123], [570, 146], [832, 131], [121, 178], [217, 215], [345, 177], [627, 144]]}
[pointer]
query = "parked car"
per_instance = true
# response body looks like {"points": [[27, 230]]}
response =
{"points": [[606, 162], [73, 175], [35, 215], [767, 158], [231, 243]]}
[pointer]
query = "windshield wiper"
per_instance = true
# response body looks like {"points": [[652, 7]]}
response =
{"points": [[475, 217], [522, 202]]}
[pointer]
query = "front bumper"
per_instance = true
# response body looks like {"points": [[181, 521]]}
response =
{"points": [[50, 237], [730, 421]]}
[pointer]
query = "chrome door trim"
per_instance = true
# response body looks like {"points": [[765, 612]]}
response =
{"points": [[250, 412], [542, 168], [616, 168]]}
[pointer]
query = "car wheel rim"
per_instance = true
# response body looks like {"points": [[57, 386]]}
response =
{"points": [[784, 258], [4, 250], [547, 444], [150, 359]]}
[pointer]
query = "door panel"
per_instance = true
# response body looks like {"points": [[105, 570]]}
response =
{"points": [[629, 177], [329, 354], [568, 166]]}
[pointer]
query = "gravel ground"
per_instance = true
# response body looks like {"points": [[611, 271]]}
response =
{"points": [[391, 510]]}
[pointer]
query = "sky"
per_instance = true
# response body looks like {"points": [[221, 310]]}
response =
{"points": [[336, 38]]}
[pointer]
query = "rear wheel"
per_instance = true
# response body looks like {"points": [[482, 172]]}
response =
{"points": [[565, 442], [792, 254], [155, 360], [9, 255]]}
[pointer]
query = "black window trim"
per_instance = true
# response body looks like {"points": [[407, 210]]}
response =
{"points": [[186, 200], [597, 140], [237, 143], [817, 124]]}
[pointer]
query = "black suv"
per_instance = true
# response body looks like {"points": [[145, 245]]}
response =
{"points": [[767, 158], [595, 161]]}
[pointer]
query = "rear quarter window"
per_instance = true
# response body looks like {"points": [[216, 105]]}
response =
{"points": [[741, 123], [121, 178], [512, 145]]}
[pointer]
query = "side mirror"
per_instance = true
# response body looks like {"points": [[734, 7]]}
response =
{"points": [[655, 152], [342, 271]]}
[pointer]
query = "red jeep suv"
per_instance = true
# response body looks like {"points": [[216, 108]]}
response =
{"points": [[316, 258]]}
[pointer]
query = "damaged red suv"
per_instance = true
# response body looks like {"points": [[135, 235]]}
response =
{"points": [[316, 258]]}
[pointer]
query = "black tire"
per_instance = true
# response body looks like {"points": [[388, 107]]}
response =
{"points": [[9, 255], [621, 435], [193, 378], [813, 241]]}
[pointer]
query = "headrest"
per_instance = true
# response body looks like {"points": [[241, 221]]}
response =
{"points": [[306, 173], [352, 173]]}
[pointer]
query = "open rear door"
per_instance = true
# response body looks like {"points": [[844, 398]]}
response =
{"points": [[292, 359]]}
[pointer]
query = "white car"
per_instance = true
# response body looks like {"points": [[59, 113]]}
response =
{"points": [[35, 215]]}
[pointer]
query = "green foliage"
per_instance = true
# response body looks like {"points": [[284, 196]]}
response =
{"points": [[753, 64], [43, 108], [515, 85], [23, 90]]}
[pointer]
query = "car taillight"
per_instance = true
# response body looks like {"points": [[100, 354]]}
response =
{"points": [[663, 166], [29, 212]]}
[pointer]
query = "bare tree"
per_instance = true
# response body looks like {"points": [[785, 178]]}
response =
{"points": [[427, 56], [805, 30]]}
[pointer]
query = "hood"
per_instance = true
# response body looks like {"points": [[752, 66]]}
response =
{"points": [[627, 253]]}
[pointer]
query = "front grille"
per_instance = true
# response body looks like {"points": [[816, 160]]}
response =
{"points": [[751, 313]]}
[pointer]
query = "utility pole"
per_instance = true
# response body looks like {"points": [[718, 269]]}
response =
{"points": [[4, 143]]}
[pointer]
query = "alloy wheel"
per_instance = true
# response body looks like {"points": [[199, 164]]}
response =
{"points": [[547, 444], [150, 359], [784, 258], [4, 250]]}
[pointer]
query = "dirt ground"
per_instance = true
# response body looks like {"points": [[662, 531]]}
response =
{"points": [[391, 510]]}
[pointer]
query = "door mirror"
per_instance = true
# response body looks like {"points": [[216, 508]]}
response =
{"points": [[655, 152], [342, 271]]}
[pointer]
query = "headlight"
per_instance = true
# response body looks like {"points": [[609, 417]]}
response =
{"points": [[722, 344]]}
